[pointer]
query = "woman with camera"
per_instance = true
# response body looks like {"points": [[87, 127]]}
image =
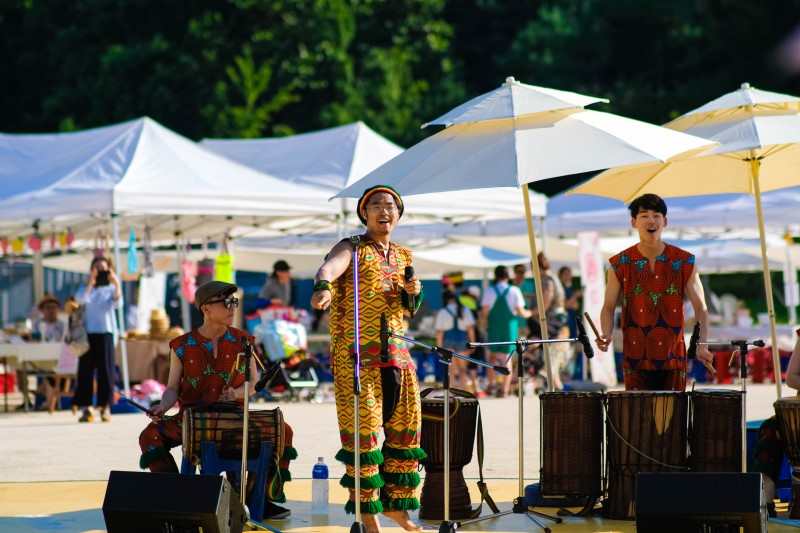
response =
{"points": [[98, 297]]}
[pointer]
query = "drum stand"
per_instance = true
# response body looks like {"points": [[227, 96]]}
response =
{"points": [[741, 346], [445, 358]]}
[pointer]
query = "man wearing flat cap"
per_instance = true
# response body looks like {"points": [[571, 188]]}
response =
{"points": [[204, 370], [390, 393]]}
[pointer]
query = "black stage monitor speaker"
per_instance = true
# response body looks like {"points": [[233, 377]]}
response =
{"points": [[138, 502], [707, 502]]}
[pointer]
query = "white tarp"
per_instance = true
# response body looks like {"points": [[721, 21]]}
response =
{"points": [[335, 158], [712, 255], [136, 168], [707, 214]]}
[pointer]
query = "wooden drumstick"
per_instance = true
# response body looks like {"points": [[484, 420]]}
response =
{"points": [[591, 324], [706, 364], [139, 406], [233, 370]]}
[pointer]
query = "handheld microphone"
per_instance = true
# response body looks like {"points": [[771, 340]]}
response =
{"points": [[409, 273], [583, 338], [384, 339], [693, 341], [268, 375]]}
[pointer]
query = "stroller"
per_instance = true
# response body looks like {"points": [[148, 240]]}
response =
{"points": [[282, 337]]}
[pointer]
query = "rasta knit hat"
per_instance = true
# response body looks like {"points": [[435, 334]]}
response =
{"points": [[362, 202]]}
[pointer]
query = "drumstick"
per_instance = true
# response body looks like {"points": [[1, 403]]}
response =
{"points": [[591, 324], [139, 406], [708, 365], [235, 365]]}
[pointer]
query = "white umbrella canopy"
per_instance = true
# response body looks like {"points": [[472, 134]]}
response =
{"points": [[511, 100], [509, 152], [513, 152], [757, 134]]}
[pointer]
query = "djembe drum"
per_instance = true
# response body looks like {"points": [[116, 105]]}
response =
{"points": [[715, 431], [463, 420], [645, 432], [571, 440], [224, 429], [787, 411]]}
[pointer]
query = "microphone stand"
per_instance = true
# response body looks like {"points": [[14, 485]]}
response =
{"points": [[520, 505], [248, 354], [357, 526], [741, 347], [445, 358]]}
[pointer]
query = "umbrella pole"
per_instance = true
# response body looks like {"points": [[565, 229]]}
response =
{"points": [[776, 356], [537, 277]]}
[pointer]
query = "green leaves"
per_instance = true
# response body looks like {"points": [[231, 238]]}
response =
{"points": [[254, 68]]}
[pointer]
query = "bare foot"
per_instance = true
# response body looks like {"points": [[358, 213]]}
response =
{"points": [[402, 518], [370, 523]]}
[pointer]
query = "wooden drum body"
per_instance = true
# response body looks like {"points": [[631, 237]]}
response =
{"points": [[571, 443], [715, 435], [224, 428], [645, 432], [787, 411], [463, 420]]}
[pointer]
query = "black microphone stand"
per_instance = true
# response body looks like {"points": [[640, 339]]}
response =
{"points": [[520, 505], [248, 354], [445, 358], [741, 347], [357, 526]]}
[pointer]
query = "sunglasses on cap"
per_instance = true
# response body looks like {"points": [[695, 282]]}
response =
{"points": [[229, 302]]}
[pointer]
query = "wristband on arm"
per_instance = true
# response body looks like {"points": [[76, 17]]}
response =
{"points": [[323, 285]]}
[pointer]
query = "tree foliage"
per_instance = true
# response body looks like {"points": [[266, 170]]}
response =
{"points": [[255, 68]]}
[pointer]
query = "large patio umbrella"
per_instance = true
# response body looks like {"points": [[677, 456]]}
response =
{"points": [[758, 136], [519, 134]]}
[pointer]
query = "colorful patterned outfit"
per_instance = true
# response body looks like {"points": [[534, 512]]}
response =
{"points": [[653, 349], [390, 392], [204, 377]]}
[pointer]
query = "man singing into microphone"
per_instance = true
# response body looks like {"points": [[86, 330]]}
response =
{"points": [[653, 278], [203, 370], [390, 392]]}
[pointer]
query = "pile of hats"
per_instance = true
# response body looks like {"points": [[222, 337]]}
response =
{"points": [[159, 324]]}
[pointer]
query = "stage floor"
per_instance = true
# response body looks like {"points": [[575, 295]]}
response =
{"points": [[76, 507], [53, 469]]}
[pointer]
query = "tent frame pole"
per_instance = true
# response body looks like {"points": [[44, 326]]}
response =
{"points": [[126, 381]]}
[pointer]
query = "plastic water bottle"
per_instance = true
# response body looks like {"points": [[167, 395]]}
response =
{"points": [[319, 488]]}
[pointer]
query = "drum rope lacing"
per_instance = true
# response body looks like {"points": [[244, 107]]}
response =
{"points": [[634, 448]]}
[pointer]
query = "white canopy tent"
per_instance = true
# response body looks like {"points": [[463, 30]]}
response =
{"points": [[335, 158], [713, 255], [429, 262], [144, 171], [136, 168]]}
